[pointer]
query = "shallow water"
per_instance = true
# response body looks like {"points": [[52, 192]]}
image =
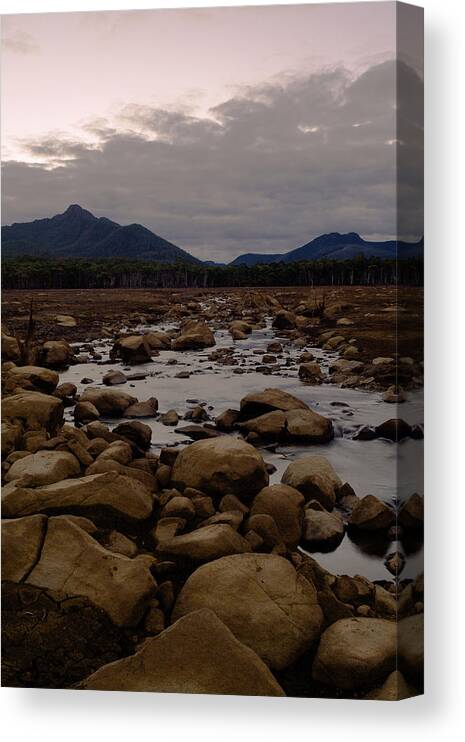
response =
{"points": [[377, 467]]}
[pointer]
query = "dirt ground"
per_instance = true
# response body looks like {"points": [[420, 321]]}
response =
{"points": [[387, 321]]}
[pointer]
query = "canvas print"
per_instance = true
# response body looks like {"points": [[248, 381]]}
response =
{"points": [[212, 353]]}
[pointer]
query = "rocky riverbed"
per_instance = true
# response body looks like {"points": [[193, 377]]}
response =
{"points": [[231, 481]]}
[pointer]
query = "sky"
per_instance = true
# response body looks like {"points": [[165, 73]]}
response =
{"points": [[224, 130]]}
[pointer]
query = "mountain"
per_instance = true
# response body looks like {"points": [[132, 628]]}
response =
{"points": [[335, 246], [79, 234]]}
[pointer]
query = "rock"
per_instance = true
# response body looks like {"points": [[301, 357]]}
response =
{"points": [[274, 347], [35, 410], [262, 600], [311, 372], [271, 425], [158, 340], [394, 430], [307, 426], [285, 505], [118, 543], [315, 478], [169, 418], [142, 409], [136, 433], [393, 395], [109, 402], [220, 466], [356, 653], [33, 377], [394, 688], [259, 403], [227, 420], [354, 590], [119, 451], [385, 603], [371, 514], [104, 465], [284, 320], [197, 654], [365, 433], [411, 647], [22, 540], [72, 562], [107, 494], [322, 531], [194, 336], [239, 325], [205, 544], [43, 467], [345, 321], [264, 525], [65, 320], [411, 512], [333, 608], [180, 507], [113, 378], [66, 392], [56, 354], [197, 432], [85, 412], [10, 348], [132, 349], [11, 437]]}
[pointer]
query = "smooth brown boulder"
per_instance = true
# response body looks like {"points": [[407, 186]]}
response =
{"points": [[35, 410], [371, 514], [10, 348], [205, 544], [147, 408], [394, 688], [394, 430], [197, 654], [110, 493], [284, 320], [74, 563], [39, 379], [194, 335], [311, 372], [109, 402], [114, 378], [132, 349], [259, 403], [56, 354], [270, 425], [85, 412], [412, 512], [308, 426], [22, 540], [411, 646], [137, 433], [220, 466], [315, 478], [322, 530], [43, 467], [262, 599], [158, 340], [356, 653], [285, 505]]}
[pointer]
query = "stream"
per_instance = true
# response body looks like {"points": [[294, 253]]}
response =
{"points": [[377, 467]]}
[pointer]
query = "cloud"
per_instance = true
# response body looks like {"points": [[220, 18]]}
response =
{"points": [[266, 171], [20, 42]]}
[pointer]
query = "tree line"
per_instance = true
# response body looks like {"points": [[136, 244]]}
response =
{"points": [[68, 273]]}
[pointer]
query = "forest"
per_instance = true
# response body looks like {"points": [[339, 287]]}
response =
{"points": [[67, 273]]}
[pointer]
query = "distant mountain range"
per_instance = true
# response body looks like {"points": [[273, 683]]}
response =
{"points": [[335, 246], [79, 234]]}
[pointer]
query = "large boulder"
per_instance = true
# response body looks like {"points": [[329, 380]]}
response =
{"points": [[258, 403], [10, 348], [315, 478], [394, 688], [262, 599], [194, 336], [307, 426], [147, 408], [158, 340], [284, 320], [205, 544], [43, 467], [109, 402], [35, 410], [412, 511], [356, 653], [138, 434], [96, 495], [22, 540], [197, 654], [74, 563], [285, 505], [132, 349], [56, 354], [221, 466], [371, 514], [271, 425], [11, 437], [311, 372], [33, 377], [411, 646]]}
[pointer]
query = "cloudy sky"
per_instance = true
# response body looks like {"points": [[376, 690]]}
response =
{"points": [[224, 130]]}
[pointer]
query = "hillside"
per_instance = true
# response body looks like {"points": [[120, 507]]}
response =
{"points": [[79, 234]]}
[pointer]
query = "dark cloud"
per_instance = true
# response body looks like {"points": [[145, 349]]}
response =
{"points": [[266, 171]]}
